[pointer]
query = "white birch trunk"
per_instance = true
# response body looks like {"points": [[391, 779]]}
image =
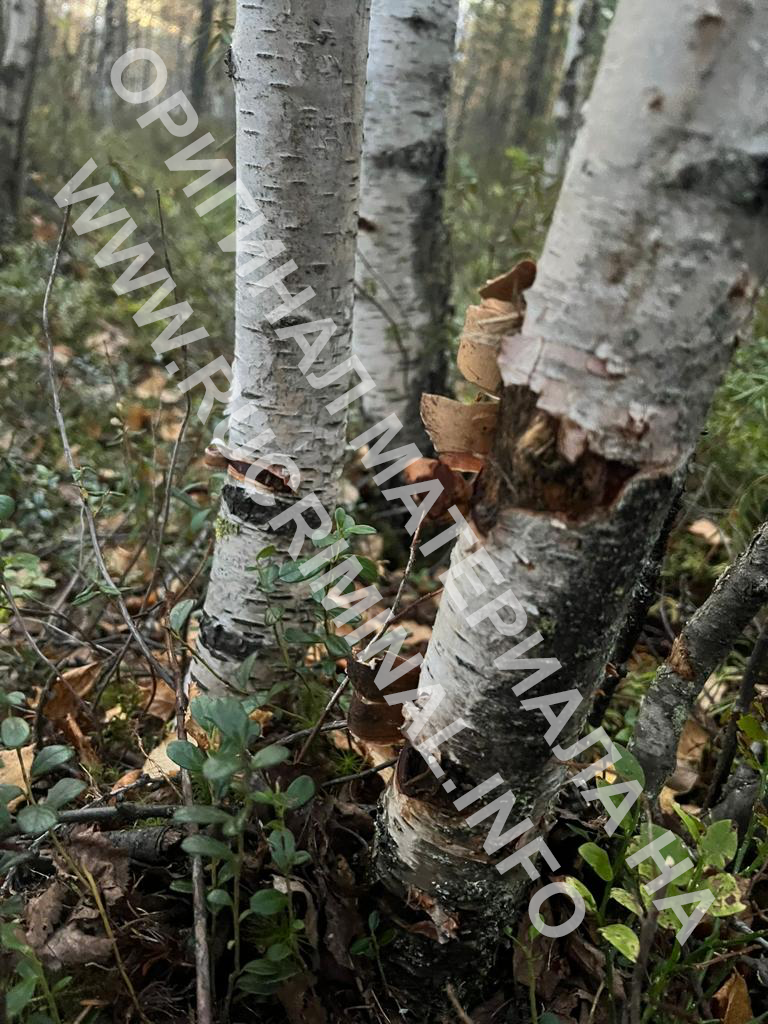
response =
{"points": [[572, 93], [20, 28], [649, 270], [299, 73], [403, 268]]}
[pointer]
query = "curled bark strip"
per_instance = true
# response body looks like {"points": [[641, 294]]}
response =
{"points": [[374, 722], [363, 678], [456, 490], [484, 328], [509, 286], [458, 428], [704, 642], [271, 477]]}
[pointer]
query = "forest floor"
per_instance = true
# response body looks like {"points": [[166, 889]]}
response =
{"points": [[96, 919]]}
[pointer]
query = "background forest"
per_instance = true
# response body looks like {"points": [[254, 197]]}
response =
{"points": [[96, 918]]}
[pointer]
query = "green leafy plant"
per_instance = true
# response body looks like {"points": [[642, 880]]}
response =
{"points": [[37, 815], [32, 989], [20, 571], [231, 772], [619, 907]]}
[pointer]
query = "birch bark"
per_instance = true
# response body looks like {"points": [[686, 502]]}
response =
{"points": [[299, 73], [572, 94], [403, 270], [649, 270], [22, 26]]}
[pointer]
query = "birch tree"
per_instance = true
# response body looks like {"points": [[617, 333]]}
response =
{"points": [[585, 15], [536, 78], [403, 273], [199, 68], [103, 93], [299, 77], [649, 270], [22, 28]]}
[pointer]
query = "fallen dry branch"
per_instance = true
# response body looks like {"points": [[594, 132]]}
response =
{"points": [[703, 644]]}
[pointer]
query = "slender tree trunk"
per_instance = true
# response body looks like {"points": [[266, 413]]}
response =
{"points": [[403, 272], [103, 93], [123, 29], [585, 16], [87, 71], [649, 269], [536, 75], [23, 27], [299, 78], [200, 66]]}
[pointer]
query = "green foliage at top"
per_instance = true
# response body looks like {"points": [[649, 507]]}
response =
{"points": [[732, 460], [495, 219]]}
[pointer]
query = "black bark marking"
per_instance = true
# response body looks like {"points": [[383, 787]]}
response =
{"points": [[223, 643]]}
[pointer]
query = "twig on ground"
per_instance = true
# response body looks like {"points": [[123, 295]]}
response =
{"points": [[76, 473], [405, 612], [123, 814], [362, 775], [90, 881], [398, 596], [199, 910], [749, 680], [463, 1016], [339, 723], [639, 972]]}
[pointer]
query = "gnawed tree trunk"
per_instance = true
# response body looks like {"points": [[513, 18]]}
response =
{"points": [[648, 272], [585, 15], [299, 77], [199, 68], [22, 31], [403, 272]]}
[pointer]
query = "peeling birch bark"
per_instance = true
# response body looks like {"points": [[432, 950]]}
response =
{"points": [[649, 269], [299, 73], [659, 233], [702, 645], [402, 272]]}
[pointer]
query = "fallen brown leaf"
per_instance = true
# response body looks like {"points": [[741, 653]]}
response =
{"points": [[70, 689], [158, 765], [11, 773], [732, 1003], [163, 701]]}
